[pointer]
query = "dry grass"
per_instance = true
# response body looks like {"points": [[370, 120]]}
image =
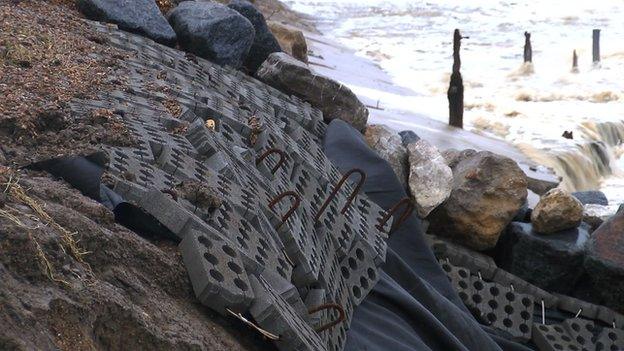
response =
{"points": [[16, 194]]}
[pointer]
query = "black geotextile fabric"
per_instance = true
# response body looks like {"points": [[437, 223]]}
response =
{"points": [[413, 306]]}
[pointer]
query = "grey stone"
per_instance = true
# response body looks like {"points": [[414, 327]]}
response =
{"points": [[430, 179], [592, 197], [388, 145], [334, 99], [553, 262], [264, 42], [291, 40], [408, 137], [137, 16], [488, 190], [213, 31], [557, 210], [605, 263]]}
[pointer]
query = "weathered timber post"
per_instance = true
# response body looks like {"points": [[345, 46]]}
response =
{"points": [[596, 45], [455, 92], [528, 51], [574, 62]]}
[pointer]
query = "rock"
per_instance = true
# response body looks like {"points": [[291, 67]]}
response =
{"points": [[592, 197], [553, 262], [387, 144], [213, 31], [430, 179], [595, 215], [557, 210], [524, 214], [541, 186], [137, 16], [488, 191], [335, 100], [605, 262], [291, 40], [408, 137], [264, 42], [452, 156]]}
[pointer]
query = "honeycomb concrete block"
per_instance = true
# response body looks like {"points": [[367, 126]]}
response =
{"points": [[461, 281], [610, 339], [553, 338], [216, 271], [574, 306], [275, 315], [582, 332], [167, 211], [359, 271]]}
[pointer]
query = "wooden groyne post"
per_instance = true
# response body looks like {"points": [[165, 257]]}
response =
{"points": [[456, 87], [528, 51], [596, 45], [574, 62]]}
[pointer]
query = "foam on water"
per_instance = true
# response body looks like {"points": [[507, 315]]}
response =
{"points": [[529, 106]]}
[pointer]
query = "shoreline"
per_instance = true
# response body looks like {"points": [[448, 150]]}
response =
{"points": [[367, 79]]}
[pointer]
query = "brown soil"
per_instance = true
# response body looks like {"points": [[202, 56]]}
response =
{"points": [[48, 57], [70, 277]]}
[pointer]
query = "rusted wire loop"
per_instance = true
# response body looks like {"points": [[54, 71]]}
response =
{"points": [[337, 188], [253, 325], [292, 209], [282, 158], [406, 213], [337, 307]]}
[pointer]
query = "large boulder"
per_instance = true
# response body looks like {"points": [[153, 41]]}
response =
{"points": [[592, 197], [388, 145], [488, 191], [408, 137], [264, 42], [334, 99], [213, 31], [605, 262], [552, 262], [430, 179], [291, 40], [136, 16], [557, 210]]}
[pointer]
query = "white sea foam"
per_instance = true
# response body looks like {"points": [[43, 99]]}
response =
{"points": [[411, 40]]}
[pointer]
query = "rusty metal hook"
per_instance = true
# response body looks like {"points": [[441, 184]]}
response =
{"points": [[270, 151], [408, 210], [337, 187], [292, 209], [337, 307]]}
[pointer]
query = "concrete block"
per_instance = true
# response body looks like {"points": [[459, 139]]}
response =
{"points": [[216, 271]]}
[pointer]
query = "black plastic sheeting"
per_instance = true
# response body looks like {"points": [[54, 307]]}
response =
{"points": [[85, 174], [413, 306]]}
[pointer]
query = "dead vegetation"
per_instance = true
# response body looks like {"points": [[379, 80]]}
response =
{"points": [[45, 64]]}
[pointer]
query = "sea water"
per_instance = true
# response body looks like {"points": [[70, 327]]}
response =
{"points": [[529, 106]]}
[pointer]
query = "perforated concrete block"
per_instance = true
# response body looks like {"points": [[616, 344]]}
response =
{"points": [[275, 315], [359, 272], [216, 271], [553, 338]]}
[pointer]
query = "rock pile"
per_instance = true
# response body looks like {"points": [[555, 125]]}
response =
{"points": [[488, 190], [213, 31], [291, 40], [556, 211], [138, 16], [389, 146], [335, 100], [430, 179]]}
